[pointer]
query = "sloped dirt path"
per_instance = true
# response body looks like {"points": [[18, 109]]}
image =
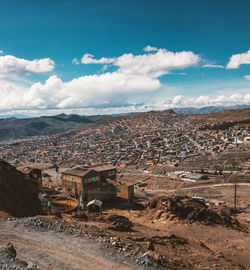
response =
{"points": [[50, 250]]}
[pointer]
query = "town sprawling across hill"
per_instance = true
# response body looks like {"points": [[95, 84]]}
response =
{"points": [[21, 126], [152, 190], [150, 138]]}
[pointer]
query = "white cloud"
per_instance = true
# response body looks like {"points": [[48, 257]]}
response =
{"points": [[105, 67], [156, 64], [13, 66], [153, 64], [75, 61], [238, 59], [204, 101], [89, 59], [135, 79], [115, 88], [179, 101], [181, 73], [15, 96], [213, 66], [87, 91], [133, 84], [247, 77], [105, 93], [150, 49], [1, 51]]}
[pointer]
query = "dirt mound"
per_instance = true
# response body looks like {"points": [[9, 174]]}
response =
{"points": [[120, 223], [187, 209], [18, 193], [80, 215]]}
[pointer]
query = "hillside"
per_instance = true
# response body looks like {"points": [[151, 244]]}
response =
{"points": [[225, 118], [14, 128], [18, 192], [147, 121], [133, 118]]}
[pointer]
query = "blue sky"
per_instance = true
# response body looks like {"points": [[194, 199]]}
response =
{"points": [[187, 61]]}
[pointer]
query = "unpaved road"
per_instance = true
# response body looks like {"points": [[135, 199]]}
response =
{"points": [[51, 250], [196, 187]]}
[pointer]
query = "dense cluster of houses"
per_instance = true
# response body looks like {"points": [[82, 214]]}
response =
{"points": [[125, 143]]}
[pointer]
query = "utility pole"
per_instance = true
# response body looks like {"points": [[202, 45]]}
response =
{"points": [[235, 197]]}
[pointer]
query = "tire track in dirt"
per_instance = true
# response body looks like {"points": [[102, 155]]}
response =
{"points": [[51, 250]]}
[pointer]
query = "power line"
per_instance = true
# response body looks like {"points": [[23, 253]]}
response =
{"points": [[235, 198]]}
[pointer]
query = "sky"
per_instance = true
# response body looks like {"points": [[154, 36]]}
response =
{"points": [[119, 56]]}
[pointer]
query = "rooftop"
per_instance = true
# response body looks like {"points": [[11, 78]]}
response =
{"points": [[83, 171]]}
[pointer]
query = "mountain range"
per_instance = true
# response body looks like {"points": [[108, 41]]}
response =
{"points": [[209, 109], [14, 128]]}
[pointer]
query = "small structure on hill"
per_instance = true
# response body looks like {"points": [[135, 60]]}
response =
{"points": [[127, 192], [193, 177], [94, 206], [91, 183]]}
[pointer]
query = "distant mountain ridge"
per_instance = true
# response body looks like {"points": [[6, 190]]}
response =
{"points": [[187, 110], [209, 109], [14, 128]]}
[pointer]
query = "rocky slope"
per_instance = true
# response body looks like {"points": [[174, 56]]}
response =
{"points": [[18, 193]]}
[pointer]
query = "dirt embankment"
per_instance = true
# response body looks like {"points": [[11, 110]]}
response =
{"points": [[188, 209], [18, 193]]}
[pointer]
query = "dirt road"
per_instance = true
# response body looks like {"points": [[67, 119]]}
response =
{"points": [[50, 250], [247, 185]]}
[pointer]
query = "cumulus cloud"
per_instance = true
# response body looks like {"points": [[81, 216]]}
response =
{"points": [[213, 66], [135, 80], [105, 93], [16, 96], [75, 61], [247, 77], [156, 64], [238, 59], [36, 101], [114, 88], [204, 101], [150, 49], [89, 59], [13, 66], [152, 65], [1, 51]]}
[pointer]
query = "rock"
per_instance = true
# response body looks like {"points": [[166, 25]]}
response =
{"points": [[150, 245], [8, 249], [114, 244], [157, 257]]}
